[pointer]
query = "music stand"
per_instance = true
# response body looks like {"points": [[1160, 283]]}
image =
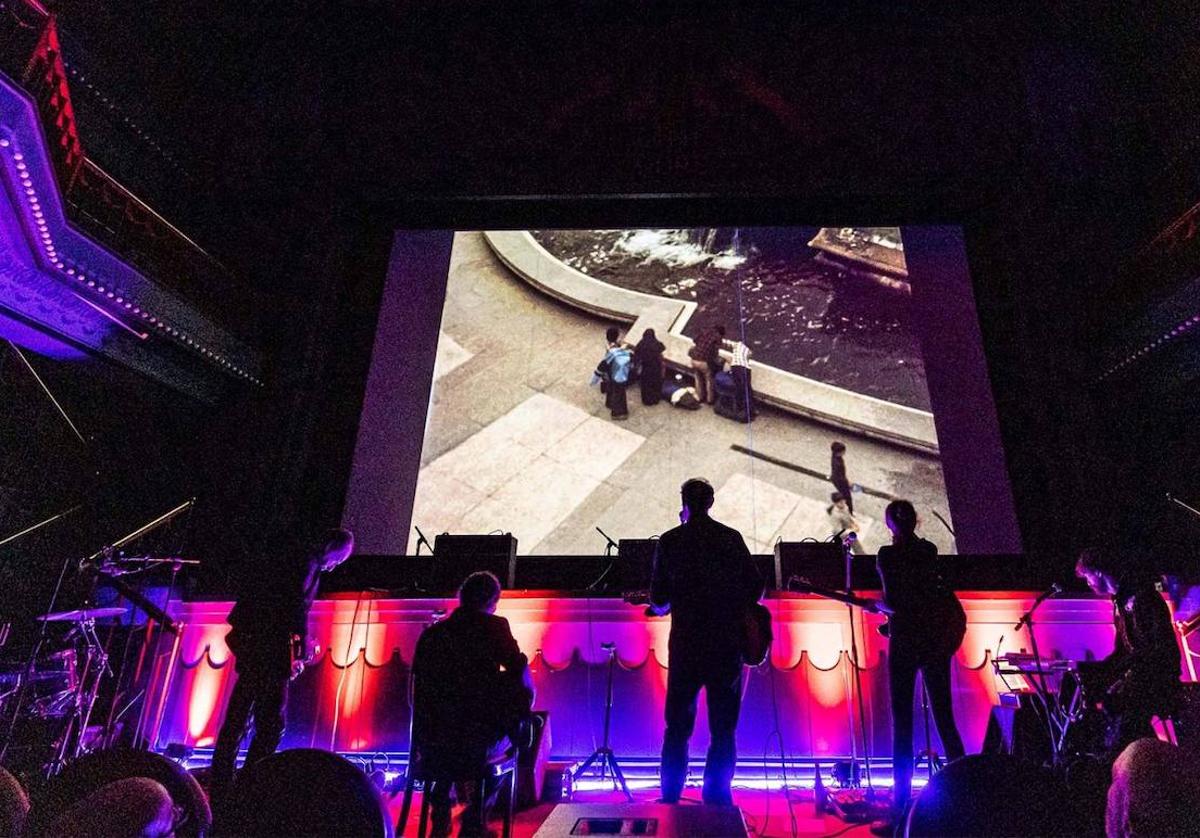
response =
{"points": [[604, 754]]}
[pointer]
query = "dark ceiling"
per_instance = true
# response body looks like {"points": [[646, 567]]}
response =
{"points": [[1064, 134]]}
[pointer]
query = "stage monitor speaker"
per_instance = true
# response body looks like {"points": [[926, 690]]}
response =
{"points": [[816, 561], [661, 820], [455, 557], [635, 564]]}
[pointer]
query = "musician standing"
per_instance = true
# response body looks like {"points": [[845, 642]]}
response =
{"points": [[704, 576], [268, 636], [1143, 669], [925, 630]]}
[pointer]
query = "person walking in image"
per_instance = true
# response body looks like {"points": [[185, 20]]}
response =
{"points": [[613, 374], [841, 521], [837, 473], [648, 358]]}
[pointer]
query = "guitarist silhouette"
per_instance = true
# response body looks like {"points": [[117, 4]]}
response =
{"points": [[704, 576]]}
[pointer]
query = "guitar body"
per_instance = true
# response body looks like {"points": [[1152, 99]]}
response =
{"points": [[756, 634]]}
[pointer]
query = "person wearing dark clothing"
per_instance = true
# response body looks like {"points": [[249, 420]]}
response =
{"points": [[925, 629], [837, 473], [705, 354], [472, 691], [1144, 668], [268, 636], [648, 358], [704, 576]]}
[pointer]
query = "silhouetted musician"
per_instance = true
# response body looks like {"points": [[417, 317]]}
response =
{"points": [[704, 575], [472, 692], [1142, 673], [268, 637], [925, 630]]}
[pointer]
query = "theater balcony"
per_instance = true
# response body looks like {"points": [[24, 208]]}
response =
{"points": [[88, 269]]}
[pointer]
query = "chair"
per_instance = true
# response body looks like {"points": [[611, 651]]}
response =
{"points": [[421, 771]]}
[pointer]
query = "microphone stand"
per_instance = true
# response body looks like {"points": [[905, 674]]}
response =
{"points": [[848, 553], [608, 554], [1050, 702]]}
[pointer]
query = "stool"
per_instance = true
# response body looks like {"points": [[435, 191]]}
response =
{"points": [[504, 768]]}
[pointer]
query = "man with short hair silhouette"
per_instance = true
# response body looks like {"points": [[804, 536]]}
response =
{"points": [[471, 692], [704, 576]]}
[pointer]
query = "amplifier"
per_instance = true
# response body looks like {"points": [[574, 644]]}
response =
{"points": [[661, 820], [635, 563], [821, 562], [455, 557]]}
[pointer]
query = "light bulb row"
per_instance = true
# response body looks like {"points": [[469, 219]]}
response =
{"points": [[79, 274]]}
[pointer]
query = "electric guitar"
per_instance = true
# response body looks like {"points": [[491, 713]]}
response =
{"points": [[757, 634], [801, 585]]}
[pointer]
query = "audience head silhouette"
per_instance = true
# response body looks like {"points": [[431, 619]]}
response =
{"points": [[901, 517], [480, 592], [697, 495]]}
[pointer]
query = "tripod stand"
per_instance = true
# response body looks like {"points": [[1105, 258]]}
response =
{"points": [[604, 754]]}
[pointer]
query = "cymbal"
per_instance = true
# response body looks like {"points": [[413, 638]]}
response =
{"points": [[81, 614]]}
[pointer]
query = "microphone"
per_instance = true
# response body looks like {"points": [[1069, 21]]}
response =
{"points": [[837, 537], [1053, 590], [421, 539], [612, 545]]}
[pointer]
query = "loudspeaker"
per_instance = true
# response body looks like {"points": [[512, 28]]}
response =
{"points": [[635, 563], [455, 557], [661, 820]]}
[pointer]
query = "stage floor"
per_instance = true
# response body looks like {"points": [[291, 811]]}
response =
{"points": [[766, 813]]}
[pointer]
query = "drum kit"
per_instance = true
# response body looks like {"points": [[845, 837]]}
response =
{"points": [[55, 692], [47, 698]]}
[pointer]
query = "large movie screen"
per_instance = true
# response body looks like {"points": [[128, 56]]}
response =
{"points": [[582, 375]]}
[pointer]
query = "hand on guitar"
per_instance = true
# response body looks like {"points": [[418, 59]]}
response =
{"points": [[643, 598], [304, 652]]}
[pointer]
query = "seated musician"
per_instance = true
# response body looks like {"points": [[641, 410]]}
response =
{"points": [[268, 636], [1143, 670], [472, 692], [925, 630]]}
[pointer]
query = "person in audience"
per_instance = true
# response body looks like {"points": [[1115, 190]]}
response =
{"points": [[1155, 789], [1143, 669], [926, 627], [648, 357], [841, 521], [472, 695], [705, 352], [704, 576], [613, 372], [837, 473], [268, 636]]}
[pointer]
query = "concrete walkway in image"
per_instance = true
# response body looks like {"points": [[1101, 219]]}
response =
{"points": [[517, 441]]}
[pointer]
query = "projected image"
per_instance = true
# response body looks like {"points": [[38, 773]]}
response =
{"points": [[582, 375]]}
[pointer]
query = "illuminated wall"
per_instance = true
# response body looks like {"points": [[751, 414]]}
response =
{"points": [[354, 697]]}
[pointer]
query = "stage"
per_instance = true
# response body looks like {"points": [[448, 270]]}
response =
{"points": [[353, 698]]}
